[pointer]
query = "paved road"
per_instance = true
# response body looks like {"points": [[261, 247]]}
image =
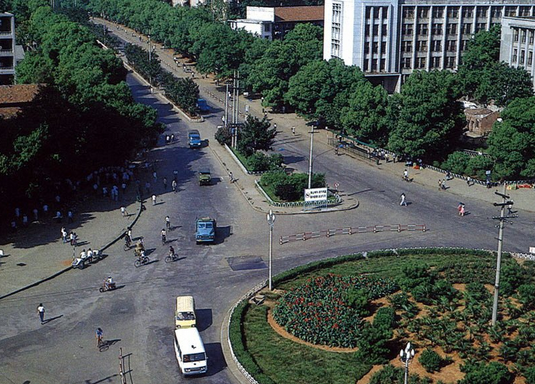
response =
{"points": [[139, 315]]}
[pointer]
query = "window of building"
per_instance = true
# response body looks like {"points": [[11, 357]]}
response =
{"points": [[435, 62], [366, 48], [376, 12], [337, 13], [375, 29], [366, 66], [369, 12], [267, 27], [406, 46], [515, 35], [525, 11], [468, 12], [335, 49], [450, 62], [437, 46], [452, 29], [522, 57], [467, 29], [422, 29], [383, 47], [375, 47], [451, 45], [530, 58], [515, 55], [421, 46], [496, 12], [481, 11], [374, 65], [437, 29], [406, 63], [464, 45], [336, 32], [480, 27], [383, 65], [438, 12], [384, 29], [531, 37], [510, 11], [453, 12], [408, 13], [423, 12], [407, 29], [421, 62]]}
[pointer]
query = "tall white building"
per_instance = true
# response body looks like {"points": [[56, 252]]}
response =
{"points": [[517, 43], [391, 39], [7, 48]]}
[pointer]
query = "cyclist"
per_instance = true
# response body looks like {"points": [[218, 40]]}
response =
{"points": [[171, 251], [99, 336]]}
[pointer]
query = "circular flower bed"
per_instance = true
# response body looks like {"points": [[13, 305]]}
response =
{"points": [[318, 311]]}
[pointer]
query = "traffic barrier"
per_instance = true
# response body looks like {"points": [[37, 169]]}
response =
{"points": [[352, 230]]}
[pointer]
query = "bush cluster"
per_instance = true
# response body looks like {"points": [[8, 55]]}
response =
{"points": [[317, 312], [290, 187]]}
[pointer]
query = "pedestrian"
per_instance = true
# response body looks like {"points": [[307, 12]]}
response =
{"points": [[24, 220], [64, 234], [13, 226], [104, 191], [73, 238], [403, 202], [406, 174], [293, 130], [174, 185], [147, 187], [165, 183], [469, 181], [155, 176], [45, 209], [153, 199], [70, 216], [439, 184], [99, 335], [275, 126], [129, 233], [41, 312], [231, 176], [35, 214], [172, 137], [167, 223], [17, 213], [164, 236], [123, 211], [460, 209]]}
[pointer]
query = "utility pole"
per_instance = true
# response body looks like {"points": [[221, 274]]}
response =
{"points": [[310, 158], [225, 123], [150, 61], [502, 218]]}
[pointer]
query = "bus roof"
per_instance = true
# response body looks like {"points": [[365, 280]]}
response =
{"points": [[189, 340], [185, 303]]}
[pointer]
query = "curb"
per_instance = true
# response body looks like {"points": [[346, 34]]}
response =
{"points": [[53, 276]]}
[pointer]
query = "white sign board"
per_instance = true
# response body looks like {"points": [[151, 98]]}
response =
{"points": [[316, 194]]}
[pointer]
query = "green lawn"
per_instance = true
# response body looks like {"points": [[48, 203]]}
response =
{"points": [[287, 362]]}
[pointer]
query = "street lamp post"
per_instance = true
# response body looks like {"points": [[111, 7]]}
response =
{"points": [[150, 60], [406, 356], [271, 221]]}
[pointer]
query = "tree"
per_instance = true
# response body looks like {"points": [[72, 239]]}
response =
{"points": [[320, 84], [255, 135], [492, 373], [512, 142], [430, 117], [366, 115]]}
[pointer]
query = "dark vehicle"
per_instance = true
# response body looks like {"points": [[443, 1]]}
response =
{"points": [[205, 178], [205, 229], [202, 105]]}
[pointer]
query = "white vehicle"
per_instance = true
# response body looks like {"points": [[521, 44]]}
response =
{"points": [[190, 353], [185, 312]]}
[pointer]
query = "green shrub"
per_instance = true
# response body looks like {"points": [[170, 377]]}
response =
{"points": [[512, 276], [456, 162], [529, 375], [430, 360], [478, 165], [259, 162], [358, 300], [492, 373], [223, 135], [385, 318], [373, 344], [290, 187]]}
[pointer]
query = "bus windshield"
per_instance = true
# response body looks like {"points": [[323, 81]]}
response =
{"points": [[194, 357]]}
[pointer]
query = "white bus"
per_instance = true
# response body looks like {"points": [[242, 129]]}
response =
{"points": [[189, 350]]}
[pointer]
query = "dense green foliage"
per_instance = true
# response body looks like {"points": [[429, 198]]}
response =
{"points": [[321, 311], [290, 187], [491, 373], [430, 360], [83, 112], [394, 375]]}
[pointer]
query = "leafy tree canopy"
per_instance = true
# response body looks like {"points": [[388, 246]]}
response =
{"points": [[255, 135]]}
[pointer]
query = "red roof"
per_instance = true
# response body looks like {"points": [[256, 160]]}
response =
{"points": [[307, 13], [14, 97]]}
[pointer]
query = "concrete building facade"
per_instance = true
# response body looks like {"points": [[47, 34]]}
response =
{"points": [[517, 43], [389, 39], [7, 48]]}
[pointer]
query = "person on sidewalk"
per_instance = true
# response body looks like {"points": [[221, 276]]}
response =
{"points": [[153, 199], [167, 223], [41, 312], [164, 236], [123, 211], [403, 201], [174, 185]]}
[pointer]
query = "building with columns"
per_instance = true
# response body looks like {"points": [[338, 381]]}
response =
{"points": [[517, 43], [389, 39], [7, 48]]}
